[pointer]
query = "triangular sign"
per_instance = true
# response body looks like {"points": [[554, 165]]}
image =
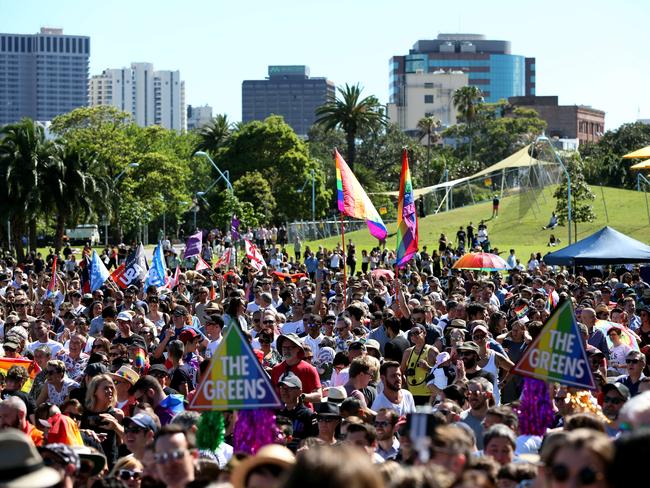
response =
{"points": [[557, 353], [235, 379]]}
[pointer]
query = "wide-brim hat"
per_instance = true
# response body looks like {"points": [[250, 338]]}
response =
{"points": [[270, 454], [127, 374], [21, 465], [93, 459], [293, 338]]}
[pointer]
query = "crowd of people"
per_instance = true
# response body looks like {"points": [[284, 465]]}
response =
{"points": [[384, 380]]}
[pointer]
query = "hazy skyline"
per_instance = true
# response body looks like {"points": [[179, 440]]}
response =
{"points": [[588, 53]]}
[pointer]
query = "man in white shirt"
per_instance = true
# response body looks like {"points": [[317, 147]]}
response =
{"points": [[213, 328], [314, 335], [41, 331], [393, 395]]}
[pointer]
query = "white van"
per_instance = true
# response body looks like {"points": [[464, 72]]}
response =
{"points": [[83, 233]]}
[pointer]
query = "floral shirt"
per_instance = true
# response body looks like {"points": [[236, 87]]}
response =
{"points": [[75, 367]]}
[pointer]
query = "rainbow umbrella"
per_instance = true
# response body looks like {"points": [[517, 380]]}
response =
{"points": [[483, 261], [626, 336]]}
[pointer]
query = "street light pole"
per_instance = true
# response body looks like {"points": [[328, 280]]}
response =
{"points": [[221, 173], [313, 195], [568, 179]]}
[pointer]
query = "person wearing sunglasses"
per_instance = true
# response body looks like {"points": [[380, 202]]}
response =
{"points": [[580, 458], [615, 396], [386, 426], [129, 470], [175, 456], [635, 362]]}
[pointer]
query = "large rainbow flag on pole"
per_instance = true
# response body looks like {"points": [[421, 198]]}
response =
{"points": [[407, 218], [353, 201]]}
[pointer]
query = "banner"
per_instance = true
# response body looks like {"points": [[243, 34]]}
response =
{"points": [[193, 245], [254, 255], [557, 354], [98, 272], [157, 274], [225, 259], [133, 271], [235, 379], [234, 228]]}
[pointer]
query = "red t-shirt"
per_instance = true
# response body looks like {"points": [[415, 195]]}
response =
{"points": [[303, 370]]}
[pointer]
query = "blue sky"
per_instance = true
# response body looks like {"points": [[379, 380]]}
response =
{"points": [[592, 53]]}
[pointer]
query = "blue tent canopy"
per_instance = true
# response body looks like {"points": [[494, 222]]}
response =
{"points": [[607, 246]]}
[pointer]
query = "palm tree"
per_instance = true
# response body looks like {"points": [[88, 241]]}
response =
{"points": [[73, 191], [23, 151], [427, 128], [467, 100], [214, 135], [352, 114]]}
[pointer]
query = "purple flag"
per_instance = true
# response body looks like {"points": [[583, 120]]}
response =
{"points": [[234, 228], [193, 245]]}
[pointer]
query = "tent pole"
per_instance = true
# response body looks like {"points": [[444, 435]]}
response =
{"points": [[503, 180], [602, 192], [471, 193]]}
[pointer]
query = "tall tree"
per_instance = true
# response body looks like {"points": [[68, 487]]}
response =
{"points": [[23, 152], [351, 113], [214, 135], [73, 191], [427, 129], [467, 101]]}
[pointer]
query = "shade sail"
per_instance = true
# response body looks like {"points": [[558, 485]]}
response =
{"points": [[641, 165], [642, 153], [607, 246]]}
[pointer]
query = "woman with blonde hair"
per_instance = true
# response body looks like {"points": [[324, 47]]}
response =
{"points": [[129, 470], [102, 417]]}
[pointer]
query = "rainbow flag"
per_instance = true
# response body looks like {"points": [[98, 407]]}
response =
{"points": [[407, 218], [32, 369], [627, 336], [235, 379], [52, 285], [353, 201], [521, 311], [551, 302], [140, 360], [557, 353]]}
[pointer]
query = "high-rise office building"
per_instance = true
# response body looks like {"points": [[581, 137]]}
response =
{"points": [[424, 95], [152, 97], [489, 65], [198, 117], [42, 75], [288, 91]]}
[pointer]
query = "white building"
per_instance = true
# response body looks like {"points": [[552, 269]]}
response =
{"points": [[198, 117], [152, 97], [427, 94]]}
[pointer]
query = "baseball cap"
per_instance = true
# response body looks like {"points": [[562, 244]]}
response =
{"points": [[187, 335], [94, 369], [125, 316], [158, 368], [291, 380], [142, 420], [620, 388], [180, 311]]}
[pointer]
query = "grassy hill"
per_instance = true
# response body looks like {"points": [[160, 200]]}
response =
{"points": [[520, 222]]}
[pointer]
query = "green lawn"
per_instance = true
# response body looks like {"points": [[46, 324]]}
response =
{"points": [[520, 222]]}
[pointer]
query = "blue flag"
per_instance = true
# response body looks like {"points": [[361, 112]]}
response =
{"points": [[157, 274], [98, 272], [193, 245]]}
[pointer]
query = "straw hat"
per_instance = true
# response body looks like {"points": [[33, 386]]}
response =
{"points": [[269, 454]]}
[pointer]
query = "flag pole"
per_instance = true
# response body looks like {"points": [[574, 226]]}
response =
{"points": [[345, 273]]}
